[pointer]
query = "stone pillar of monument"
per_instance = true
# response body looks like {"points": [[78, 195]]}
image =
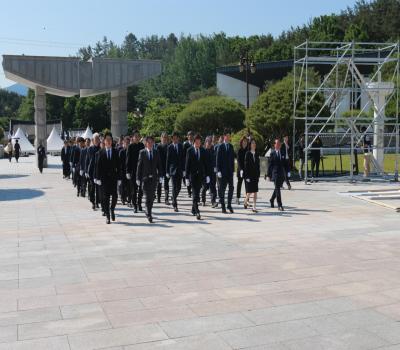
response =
{"points": [[40, 119], [119, 115], [378, 92]]}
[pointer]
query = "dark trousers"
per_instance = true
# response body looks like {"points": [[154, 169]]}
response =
{"points": [[196, 184], [239, 186], [223, 183], [176, 181], [124, 190], [40, 164], [83, 184], [66, 169], [77, 178], [136, 192], [277, 191], [287, 161], [9, 156], [93, 192], [109, 192], [209, 186], [166, 189], [315, 165], [149, 191]]}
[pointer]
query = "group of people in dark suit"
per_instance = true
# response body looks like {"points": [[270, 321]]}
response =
{"points": [[137, 169]]}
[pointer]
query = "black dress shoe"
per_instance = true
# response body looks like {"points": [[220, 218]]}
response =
{"points": [[108, 221], [140, 208], [272, 203], [224, 211], [135, 209], [280, 208], [112, 215], [175, 209], [193, 213], [213, 205], [167, 202], [230, 209], [198, 217], [93, 206], [103, 213], [150, 218]]}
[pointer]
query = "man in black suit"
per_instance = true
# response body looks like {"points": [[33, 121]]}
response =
{"points": [[175, 167], [149, 173], [162, 149], [76, 155], [65, 157], [132, 156], [90, 169], [186, 145], [211, 186], [277, 170], [225, 168], [124, 187], [82, 167], [285, 150], [108, 173], [197, 172]]}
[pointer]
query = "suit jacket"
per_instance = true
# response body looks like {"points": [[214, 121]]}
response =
{"points": [[122, 161], [277, 166], [108, 170], [251, 166], [289, 151], [211, 158], [148, 169], [82, 159], [65, 154], [162, 149], [132, 157], [175, 160], [41, 152], [75, 156], [90, 160], [196, 167], [225, 160]]}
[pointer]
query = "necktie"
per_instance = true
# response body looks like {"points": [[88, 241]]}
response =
{"points": [[176, 148], [109, 154], [226, 147], [150, 156], [197, 153]]}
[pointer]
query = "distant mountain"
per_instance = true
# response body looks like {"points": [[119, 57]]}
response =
{"points": [[18, 89]]}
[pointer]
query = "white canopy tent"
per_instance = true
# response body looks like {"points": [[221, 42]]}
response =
{"points": [[26, 146], [87, 134], [54, 142]]}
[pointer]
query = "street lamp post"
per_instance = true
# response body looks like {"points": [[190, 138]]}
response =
{"points": [[247, 64]]}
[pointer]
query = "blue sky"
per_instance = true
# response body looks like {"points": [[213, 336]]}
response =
{"points": [[45, 27]]}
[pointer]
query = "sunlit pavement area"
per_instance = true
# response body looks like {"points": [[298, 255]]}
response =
{"points": [[323, 274]]}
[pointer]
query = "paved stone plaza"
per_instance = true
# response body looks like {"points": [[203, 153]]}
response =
{"points": [[324, 274]]}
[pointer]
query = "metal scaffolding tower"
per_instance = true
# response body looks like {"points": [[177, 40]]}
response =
{"points": [[356, 82]]}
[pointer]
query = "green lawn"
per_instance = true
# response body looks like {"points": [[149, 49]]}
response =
{"points": [[329, 163]]}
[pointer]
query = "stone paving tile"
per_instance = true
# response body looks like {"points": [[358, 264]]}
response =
{"points": [[30, 316], [199, 325], [122, 319], [203, 342], [348, 340], [267, 334], [62, 327], [8, 334], [116, 337], [53, 343]]}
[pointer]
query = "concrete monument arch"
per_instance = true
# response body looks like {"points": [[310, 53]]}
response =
{"points": [[70, 76]]}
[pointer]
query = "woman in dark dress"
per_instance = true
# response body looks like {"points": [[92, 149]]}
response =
{"points": [[251, 175], [41, 155], [240, 166]]}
